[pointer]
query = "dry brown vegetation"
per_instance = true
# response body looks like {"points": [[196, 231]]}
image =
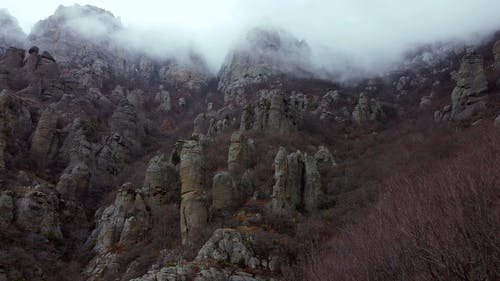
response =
{"points": [[436, 217]]}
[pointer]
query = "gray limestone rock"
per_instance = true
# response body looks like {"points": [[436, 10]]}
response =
{"points": [[367, 110], [163, 100], [224, 191], [36, 212], [194, 210], [468, 97], [240, 152], [44, 143], [297, 182], [265, 54], [496, 54]]}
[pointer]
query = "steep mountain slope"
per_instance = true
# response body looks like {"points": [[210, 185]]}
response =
{"points": [[119, 165]]}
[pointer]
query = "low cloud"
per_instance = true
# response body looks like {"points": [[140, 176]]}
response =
{"points": [[350, 36]]}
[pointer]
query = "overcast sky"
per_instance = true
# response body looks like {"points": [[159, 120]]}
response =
{"points": [[367, 30]]}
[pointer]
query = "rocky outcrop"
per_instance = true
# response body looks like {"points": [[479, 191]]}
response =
{"points": [[469, 95], [15, 125], [161, 181], [126, 221], [37, 76], [190, 74], [263, 55], [324, 108], [367, 110], [11, 34], [224, 191], [163, 100], [127, 122], [44, 143], [113, 155], [36, 211], [240, 152], [273, 112], [324, 156], [194, 210], [74, 182], [233, 248], [7, 208], [98, 56], [297, 182], [86, 55], [496, 54]]}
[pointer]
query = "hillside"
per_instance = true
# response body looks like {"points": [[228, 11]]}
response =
{"points": [[117, 164]]}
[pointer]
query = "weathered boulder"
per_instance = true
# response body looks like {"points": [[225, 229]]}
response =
{"points": [[297, 182], [44, 144], [367, 110], [194, 210], [468, 98]]}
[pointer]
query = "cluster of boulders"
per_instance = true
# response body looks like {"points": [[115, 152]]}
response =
{"points": [[223, 257]]}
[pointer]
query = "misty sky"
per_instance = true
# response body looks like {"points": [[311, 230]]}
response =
{"points": [[366, 30]]}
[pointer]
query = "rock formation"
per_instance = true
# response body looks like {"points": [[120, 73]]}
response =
{"points": [[162, 99], [161, 181], [496, 54], [194, 211], [273, 112], [232, 247], [324, 156], [127, 122], [240, 152], [224, 191], [367, 110], [44, 142], [264, 54], [98, 56], [297, 182], [468, 97]]}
